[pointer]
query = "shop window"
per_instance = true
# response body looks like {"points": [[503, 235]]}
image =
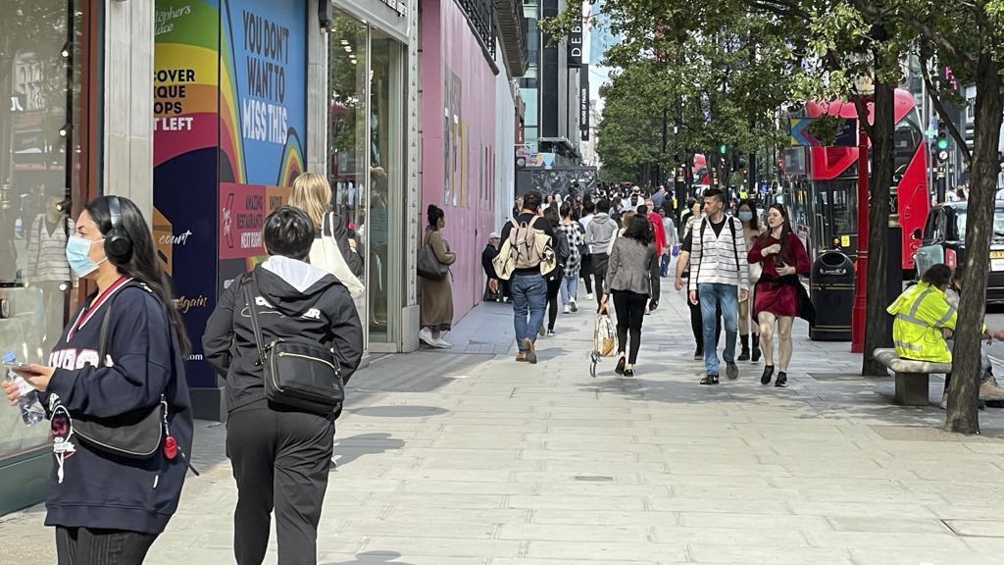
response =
{"points": [[41, 65], [365, 152]]}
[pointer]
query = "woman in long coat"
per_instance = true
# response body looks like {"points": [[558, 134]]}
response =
{"points": [[436, 309]]}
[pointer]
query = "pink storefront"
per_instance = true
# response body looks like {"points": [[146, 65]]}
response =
{"points": [[458, 137]]}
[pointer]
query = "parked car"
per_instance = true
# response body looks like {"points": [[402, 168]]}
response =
{"points": [[944, 241]]}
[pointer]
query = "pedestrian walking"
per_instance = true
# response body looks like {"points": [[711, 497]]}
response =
{"points": [[782, 258], [632, 278], [692, 214], [719, 278], [751, 231], [599, 232], [527, 240], [570, 282], [672, 241], [280, 454], [120, 358], [562, 252], [436, 305], [586, 267], [312, 194]]}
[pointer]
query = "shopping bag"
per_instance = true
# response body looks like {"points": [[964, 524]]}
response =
{"points": [[604, 340]]}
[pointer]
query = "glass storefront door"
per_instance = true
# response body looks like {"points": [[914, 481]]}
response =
{"points": [[366, 157], [41, 143], [347, 129]]}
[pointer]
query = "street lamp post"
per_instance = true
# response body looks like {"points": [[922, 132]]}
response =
{"points": [[861, 266]]}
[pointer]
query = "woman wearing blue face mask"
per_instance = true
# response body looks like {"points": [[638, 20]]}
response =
{"points": [[120, 357], [751, 230]]}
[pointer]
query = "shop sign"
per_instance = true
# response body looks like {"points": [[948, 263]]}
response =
{"points": [[400, 7]]}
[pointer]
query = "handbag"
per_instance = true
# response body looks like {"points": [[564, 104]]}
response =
{"points": [[325, 254], [806, 310], [429, 266], [137, 434], [297, 375], [604, 335]]}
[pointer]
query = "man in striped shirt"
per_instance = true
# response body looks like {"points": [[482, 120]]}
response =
{"points": [[720, 278]]}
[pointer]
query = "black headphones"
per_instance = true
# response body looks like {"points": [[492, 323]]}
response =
{"points": [[118, 246]]}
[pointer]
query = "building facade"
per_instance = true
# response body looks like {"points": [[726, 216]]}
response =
{"points": [[202, 112], [468, 109]]}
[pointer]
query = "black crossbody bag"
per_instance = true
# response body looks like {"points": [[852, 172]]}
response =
{"points": [[138, 434], [297, 375]]}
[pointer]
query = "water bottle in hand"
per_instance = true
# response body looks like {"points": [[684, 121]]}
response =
{"points": [[31, 407]]}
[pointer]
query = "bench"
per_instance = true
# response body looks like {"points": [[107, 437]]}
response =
{"points": [[913, 378]]}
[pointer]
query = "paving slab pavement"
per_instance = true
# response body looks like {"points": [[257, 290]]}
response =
{"points": [[465, 457]]}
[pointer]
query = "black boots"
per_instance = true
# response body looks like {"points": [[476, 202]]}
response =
{"points": [[756, 348], [745, 354]]}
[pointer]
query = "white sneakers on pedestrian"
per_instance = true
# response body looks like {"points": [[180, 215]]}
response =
{"points": [[589, 296], [567, 309], [571, 304], [425, 335]]}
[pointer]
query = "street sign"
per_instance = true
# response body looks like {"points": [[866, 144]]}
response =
{"points": [[801, 133]]}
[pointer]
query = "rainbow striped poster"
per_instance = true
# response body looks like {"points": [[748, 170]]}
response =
{"points": [[229, 120]]}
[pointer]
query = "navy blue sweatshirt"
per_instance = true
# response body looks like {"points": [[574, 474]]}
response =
{"points": [[98, 490]]}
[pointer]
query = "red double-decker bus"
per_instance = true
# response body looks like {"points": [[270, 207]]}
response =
{"points": [[820, 183]]}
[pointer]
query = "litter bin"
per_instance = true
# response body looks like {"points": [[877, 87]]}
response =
{"points": [[831, 289]]}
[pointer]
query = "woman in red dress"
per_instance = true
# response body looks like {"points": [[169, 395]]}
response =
{"points": [[783, 258]]}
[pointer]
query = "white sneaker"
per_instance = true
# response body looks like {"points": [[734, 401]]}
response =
{"points": [[571, 304], [425, 335], [567, 309], [589, 296], [442, 344]]}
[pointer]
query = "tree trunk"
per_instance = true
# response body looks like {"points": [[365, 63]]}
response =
{"points": [[962, 415], [878, 329]]}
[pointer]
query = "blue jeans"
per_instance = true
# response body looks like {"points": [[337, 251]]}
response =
{"points": [[529, 295], [569, 288], [726, 296]]}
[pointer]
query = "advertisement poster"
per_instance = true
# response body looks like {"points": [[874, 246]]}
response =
{"points": [[229, 120], [186, 147], [263, 105], [242, 214], [263, 115]]}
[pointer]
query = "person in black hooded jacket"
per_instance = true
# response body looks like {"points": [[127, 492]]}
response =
{"points": [[280, 456]]}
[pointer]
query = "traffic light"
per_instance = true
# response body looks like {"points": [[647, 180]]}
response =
{"points": [[942, 142], [723, 149]]}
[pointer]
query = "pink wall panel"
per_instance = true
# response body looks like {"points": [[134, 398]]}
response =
{"points": [[458, 141]]}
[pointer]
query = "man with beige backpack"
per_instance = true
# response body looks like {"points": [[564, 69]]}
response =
{"points": [[526, 255]]}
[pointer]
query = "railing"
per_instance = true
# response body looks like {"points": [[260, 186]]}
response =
{"points": [[481, 15]]}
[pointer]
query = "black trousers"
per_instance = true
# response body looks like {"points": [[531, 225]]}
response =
{"points": [[280, 460], [553, 287], [91, 546], [600, 261], [586, 272], [697, 324], [630, 309]]}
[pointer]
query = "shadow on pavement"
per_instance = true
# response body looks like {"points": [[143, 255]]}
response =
{"points": [[348, 449], [372, 558], [403, 411]]}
